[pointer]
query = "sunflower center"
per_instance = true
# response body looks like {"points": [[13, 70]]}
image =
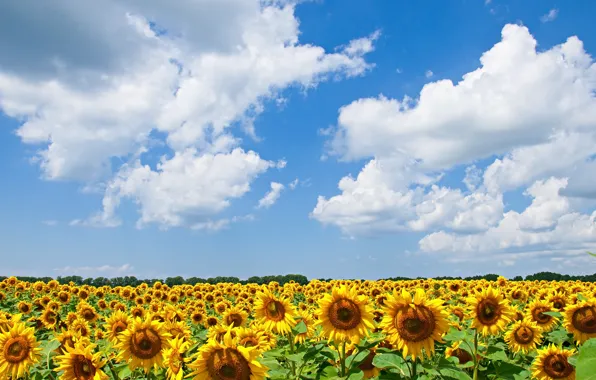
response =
{"points": [[249, 341], [462, 355], [16, 349], [83, 368], [540, 317], [415, 325], [558, 304], [118, 327], [367, 364], [145, 344], [488, 311], [344, 314], [584, 319], [557, 366], [234, 320], [275, 311], [228, 364], [88, 314], [524, 335]]}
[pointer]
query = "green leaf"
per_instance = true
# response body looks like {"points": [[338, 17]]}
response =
{"points": [[454, 374], [329, 372], [558, 336], [591, 254], [124, 372], [391, 361], [555, 314], [295, 357], [312, 351], [300, 328], [50, 346], [586, 361], [581, 297], [455, 335], [507, 371], [356, 375], [354, 360]]}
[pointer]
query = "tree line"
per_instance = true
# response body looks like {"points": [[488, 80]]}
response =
{"points": [[281, 279]]}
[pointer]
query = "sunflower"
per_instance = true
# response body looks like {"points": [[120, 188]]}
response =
{"points": [[456, 351], [24, 307], [49, 318], [275, 313], [177, 329], [580, 320], [142, 344], [367, 367], [227, 361], [553, 363], [252, 337], [536, 310], [310, 327], [87, 312], [115, 324], [80, 363], [67, 339], [523, 336], [491, 311], [235, 317], [19, 350], [80, 327], [174, 359], [414, 323], [558, 300]]}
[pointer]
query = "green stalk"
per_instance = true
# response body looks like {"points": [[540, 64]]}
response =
{"points": [[292, 351], [113, 370], [475, 355], [343, 359], [414, 369]]}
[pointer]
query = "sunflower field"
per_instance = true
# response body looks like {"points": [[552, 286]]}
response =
{"points": [[417, 329]]}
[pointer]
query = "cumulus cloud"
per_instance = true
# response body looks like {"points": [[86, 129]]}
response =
{"points": [[429, 74], [272, 195], [50, 223], [140, 78], [531, 113]]}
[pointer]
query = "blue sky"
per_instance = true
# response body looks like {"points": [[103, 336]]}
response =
{"points": [[326, 138]]}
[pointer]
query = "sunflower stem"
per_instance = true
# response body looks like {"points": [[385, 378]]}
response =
{"points": [[113, 370], [343, 359], [48, 365], [292, 351], [475, 355], [414, 370]]}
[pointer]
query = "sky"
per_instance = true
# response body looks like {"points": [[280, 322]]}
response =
{"points": [[334, 138]]}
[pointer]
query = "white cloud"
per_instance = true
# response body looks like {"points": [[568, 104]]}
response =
{"points": [[550, 16], [429, 74], [272, 195], [535, 111], [50, 223], [219, 224], [363, 45], [548, 221], [99, 271], [196, 76], [398, 70], [292, 185]]}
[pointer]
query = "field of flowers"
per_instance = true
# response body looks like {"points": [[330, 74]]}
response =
{"points": [[418, 329]]}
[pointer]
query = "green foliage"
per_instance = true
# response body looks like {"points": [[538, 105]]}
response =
{"points": [[586, 361]]}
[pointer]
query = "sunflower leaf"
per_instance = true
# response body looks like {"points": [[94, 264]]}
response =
{"points": [[555, 314], [586, 361], [300, 328]]}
